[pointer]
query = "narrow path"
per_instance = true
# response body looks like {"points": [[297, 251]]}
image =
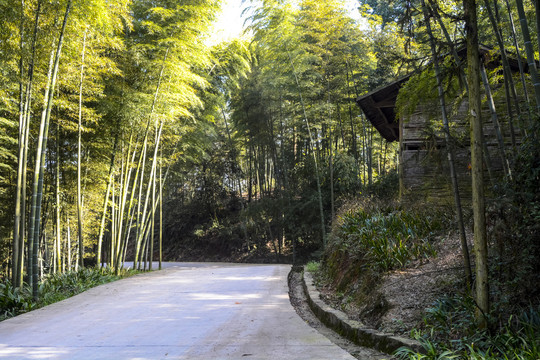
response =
{"points": [[187, 311]]}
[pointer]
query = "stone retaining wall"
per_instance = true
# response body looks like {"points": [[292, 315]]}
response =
{"points": [[351, 329]]}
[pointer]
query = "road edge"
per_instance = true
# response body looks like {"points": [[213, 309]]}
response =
{"points": [[351, 329]]}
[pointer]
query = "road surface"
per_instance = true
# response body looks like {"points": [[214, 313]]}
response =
{"points": [[186, 311]]}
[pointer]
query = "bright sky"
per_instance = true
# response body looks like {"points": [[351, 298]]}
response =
{"points": [[230, 23]]}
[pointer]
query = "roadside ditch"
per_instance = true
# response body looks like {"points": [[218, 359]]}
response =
{"points": [[300, 302]]}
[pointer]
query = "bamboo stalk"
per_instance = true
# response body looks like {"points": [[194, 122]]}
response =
{"points": [[317, 174], [451, 152], [24, 129], [495, 121], [529, 52], [79, 158], [509, 85], [518, 54], [106, 203], [58, 224], [161, 210], [478, 201]]}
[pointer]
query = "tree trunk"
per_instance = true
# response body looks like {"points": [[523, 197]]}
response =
{"points": [[509, 85], [457, 59], [364, 152], [143, 155], [24, 130], [149, 188], [153, 213], [122, 234], [33, 240], [537, 12], [68, 245], [529, 51], [478, 202], [250, 160], [495, 120], [15, 268], [451, 153], [317, 176], [130, 210], [42, 147], [161, 210], [369, 154], [353, 132], [142, 159], [115, 249], [518, 55], [58, 251], [330, 153], [113, 226], [106, 203]]}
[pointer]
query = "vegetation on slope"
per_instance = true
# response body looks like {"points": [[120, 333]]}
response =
{"points": [[54, 288], [370, 250]]}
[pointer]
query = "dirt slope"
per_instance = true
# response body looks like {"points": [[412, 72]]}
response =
{"points": [[398, 301]]}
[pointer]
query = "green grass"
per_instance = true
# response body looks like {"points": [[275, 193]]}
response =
{"points": [[452, 334], [54, 288], [313, 266], [387, 239], [14, 301]]}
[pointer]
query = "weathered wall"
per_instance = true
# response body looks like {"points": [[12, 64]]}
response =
{"points": [[424, 168]]}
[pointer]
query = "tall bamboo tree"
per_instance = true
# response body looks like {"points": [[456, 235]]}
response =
{"points": [[450, 149], [529, 51], [478, 201]]}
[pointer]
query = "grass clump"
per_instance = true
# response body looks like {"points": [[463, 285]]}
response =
{"points": [[60, 286], [387, 238], [313, 266], [451, 333], [54, 288], [14, 301], [371, 238]]}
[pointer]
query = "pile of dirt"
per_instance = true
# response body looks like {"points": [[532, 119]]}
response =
{"points": [[397, 303]]}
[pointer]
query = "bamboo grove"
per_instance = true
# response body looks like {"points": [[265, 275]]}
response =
{"points": [[124, 132], [96, 97], [106, 102], [289, 145]]}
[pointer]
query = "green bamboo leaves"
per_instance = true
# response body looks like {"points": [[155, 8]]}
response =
{"points": [[101, 74]]}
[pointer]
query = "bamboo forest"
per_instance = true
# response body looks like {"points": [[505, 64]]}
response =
{"points": [[372, 144]]}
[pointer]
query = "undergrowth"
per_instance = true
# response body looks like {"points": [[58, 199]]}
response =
{"points": [[313, 266], [54, 288], [386, 237], [451, 333], [372, 237], [514, 266], [14, 301]]}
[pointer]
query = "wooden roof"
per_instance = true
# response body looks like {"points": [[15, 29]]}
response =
{"points": [[379, 108], [379, 104]]}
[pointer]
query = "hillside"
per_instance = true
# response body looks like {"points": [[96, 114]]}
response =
{"points": [[398, 303], [398, 267]]}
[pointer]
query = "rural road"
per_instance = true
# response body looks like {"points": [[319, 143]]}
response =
{"points": [[186, 311]]}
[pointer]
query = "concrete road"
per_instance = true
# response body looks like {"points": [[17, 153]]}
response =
{"points": [[186, 311]]}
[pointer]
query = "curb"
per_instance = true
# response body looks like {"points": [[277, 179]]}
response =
{"points": [[351, 329]]}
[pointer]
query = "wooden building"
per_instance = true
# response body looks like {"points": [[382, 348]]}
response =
{"points": [[423, 158]]}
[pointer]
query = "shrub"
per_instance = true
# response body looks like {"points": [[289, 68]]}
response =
{"points": [[57, 287], [386, 238], [452, 334], [54, 288], [312, 266], [14, 301]]}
